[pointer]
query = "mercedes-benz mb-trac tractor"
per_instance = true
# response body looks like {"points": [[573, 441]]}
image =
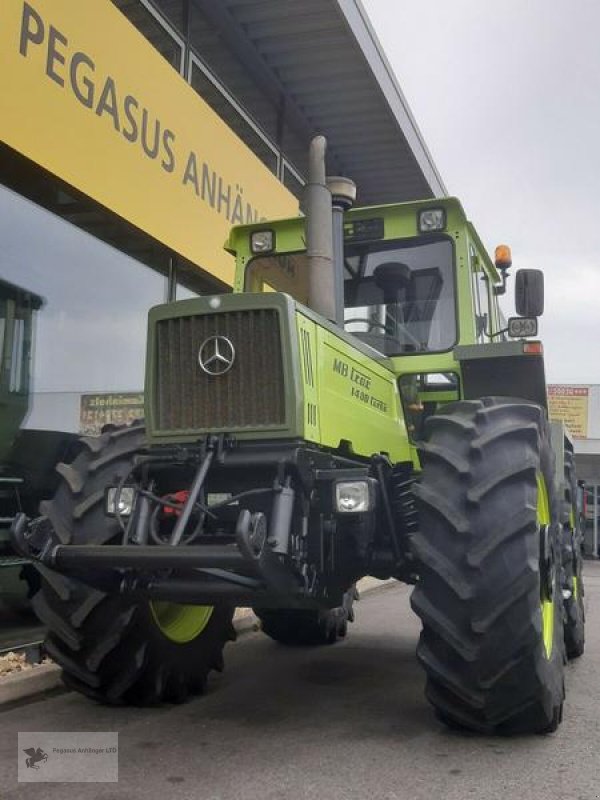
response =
{"points": [[355, 407]]}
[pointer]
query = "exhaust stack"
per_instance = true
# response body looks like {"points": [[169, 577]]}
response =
{"points": [[343, 195], [319, 233], [325, 201]]}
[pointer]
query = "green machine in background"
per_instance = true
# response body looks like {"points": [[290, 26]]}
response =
{"points": [[358, 406], [17, 311]]}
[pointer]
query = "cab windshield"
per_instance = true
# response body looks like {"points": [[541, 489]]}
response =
{"points": [[398, 296]]}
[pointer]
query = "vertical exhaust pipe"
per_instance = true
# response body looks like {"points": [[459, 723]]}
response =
{"points": [[325, 201], [319, 233], [343, 195]]}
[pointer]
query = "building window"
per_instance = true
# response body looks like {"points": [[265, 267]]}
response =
{"points": [[174, 12], [150, 23], [233, 116], [227, 66], [293, 181], [90, 332], [218, 77]]}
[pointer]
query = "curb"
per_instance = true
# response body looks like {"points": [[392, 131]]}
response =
{"points": [[33, 681], [45, 677]]}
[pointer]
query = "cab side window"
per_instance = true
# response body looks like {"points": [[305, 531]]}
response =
{"points": [[481, 298]]}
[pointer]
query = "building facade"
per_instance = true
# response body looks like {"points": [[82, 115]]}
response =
{"points": [[578, 406], [134, 133]]}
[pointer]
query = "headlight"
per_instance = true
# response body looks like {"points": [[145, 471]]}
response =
{"points": [[519, 327], [262, 241], [432, 219], [125, 498], [352, 497]]}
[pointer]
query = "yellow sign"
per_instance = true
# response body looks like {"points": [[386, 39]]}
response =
{"points": [[98, 410], [84, 95], [570, 404]]}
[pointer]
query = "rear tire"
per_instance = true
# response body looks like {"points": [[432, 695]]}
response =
{"points": [[291, 626], [110, 648], [492, 645]]}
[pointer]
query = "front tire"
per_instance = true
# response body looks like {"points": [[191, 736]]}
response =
{"points": [[110, 648], [489, 595]]}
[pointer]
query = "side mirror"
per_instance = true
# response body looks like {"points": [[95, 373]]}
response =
{"points": [[529, 292]]}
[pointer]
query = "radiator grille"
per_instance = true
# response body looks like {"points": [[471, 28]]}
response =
{"points": [[250, 395]]}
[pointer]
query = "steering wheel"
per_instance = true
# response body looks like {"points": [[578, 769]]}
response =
{"points": [[370, 322], [387, 331]]}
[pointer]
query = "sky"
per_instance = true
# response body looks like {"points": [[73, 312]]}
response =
{"points": [[507, 98]]}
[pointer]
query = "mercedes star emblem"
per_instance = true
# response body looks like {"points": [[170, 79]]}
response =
{"points": [[216, 355]]}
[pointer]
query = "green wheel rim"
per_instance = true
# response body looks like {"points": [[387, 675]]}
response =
{"points": [[575, 587], [575, 578], [180, 623], [547, 604]]}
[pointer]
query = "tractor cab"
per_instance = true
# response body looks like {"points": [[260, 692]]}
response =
{"points": [[414, 282], [410, 287], [399, 296]]}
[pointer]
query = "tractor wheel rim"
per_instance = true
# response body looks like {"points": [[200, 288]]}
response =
{"points": [[575, 587], [574, 545], [547, 603], [180, 623]]}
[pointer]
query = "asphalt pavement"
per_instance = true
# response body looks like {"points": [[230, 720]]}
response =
{"points": [[334, 723]]}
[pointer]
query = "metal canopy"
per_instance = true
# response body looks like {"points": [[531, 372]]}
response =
{"points": [[320, 62]]}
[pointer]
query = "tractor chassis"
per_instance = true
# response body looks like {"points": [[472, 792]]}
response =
{"points": [[278, 543]]}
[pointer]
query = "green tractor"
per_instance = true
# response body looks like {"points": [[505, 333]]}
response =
{"points": [[17, 310], [356, 407]]}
